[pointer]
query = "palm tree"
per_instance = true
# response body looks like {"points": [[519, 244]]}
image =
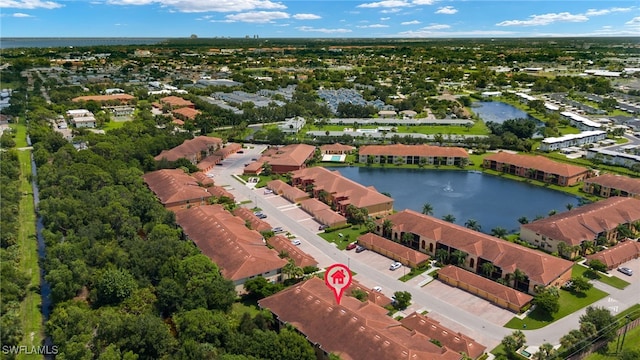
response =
{"points": [[442, 256], [518, 277], [552, 212], [499, 232], [406, 238], [569, 206], [387, 225], [487, 269], [588, 247], [458, 257], [545, 352], [449, 218], [289, 269], [523, 220], [473, 225], [427, 209]]}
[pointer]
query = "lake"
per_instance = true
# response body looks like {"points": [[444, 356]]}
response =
{"points": [[491, 200], [498, 112]]}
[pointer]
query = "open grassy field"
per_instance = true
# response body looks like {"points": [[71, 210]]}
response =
{"points": [[616, 282], [570, 302], [30, 314]]}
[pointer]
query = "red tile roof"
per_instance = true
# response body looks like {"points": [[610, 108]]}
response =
{"points": [[224, 238], [101, 98], [203, 179], [290, 155], [413, 150], [322, 212], [623, 183], [510, 295], [190, 148], [541, 268], [537, 162], [289, 192], [586, 222], [351, 330], [176, 101], [299, 257], [256, 223], [336, 148], [339, 186], [617, 254], [174, 186], [375, 297], [399, 251], [187, 113], [455, 341]]}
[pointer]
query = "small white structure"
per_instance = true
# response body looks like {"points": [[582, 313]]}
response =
{"points": [[82, 118], [292, 125], [581, 122], [569, 140]]}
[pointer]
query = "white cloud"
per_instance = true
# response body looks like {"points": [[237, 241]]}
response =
{"points": [[436, 27], [545, 19], [385, 4], [390, 11], [595, 12], [306, 17], [447, 10], [21, 15], [373, 26], [29, 4], [634, 21], [384, 18], [323, 30], [258, 17], [412, 22], [473, 33], [424, 2], [190, 6]]}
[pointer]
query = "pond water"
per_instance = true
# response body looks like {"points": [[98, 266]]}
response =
{"points": [[490, 200], [498, 112]]}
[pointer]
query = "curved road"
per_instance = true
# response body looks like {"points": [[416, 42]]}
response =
{"points": [[483, 331]]}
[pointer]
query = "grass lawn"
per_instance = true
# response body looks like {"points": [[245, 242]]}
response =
{"points": [[499, 352], [616, 282], [570, 302], [349, 235], [413, 273], [113, 125], [30, 314], [21, 135]]}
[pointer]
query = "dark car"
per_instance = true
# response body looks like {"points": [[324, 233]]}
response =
{"points": [[351, 246], [322, 227], [360, 249], [240, 151]]}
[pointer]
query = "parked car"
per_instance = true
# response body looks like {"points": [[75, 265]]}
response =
{"points": [[268, 191], [377, 288], [240, 151], [262, 216], [352, 246], [626, 271], [395, 266], [278, 229], [322, 227], [296, 242], [360, 249]]}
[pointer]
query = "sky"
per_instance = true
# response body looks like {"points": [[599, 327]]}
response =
{"points": [[319, 18]]}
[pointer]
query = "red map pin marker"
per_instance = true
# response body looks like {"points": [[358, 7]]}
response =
{"points": [[338, 278]]}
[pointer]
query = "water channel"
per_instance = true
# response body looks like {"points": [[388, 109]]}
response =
{"points": [[492, 201], [498, 112]]}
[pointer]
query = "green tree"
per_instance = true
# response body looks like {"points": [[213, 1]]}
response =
{"points": [[581, 284], [387, 227], [513, 342], [487, 269], [114, 285], [472, 224], [602, 319], [523, 220], [427, 209], [547, 302], [545, 352], [402, 299], [442, 256], [449, 218], [458, 257], [499, 232], [597, 265]]}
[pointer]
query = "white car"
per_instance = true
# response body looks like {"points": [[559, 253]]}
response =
{"points": [[626, 271], [296, 242], [377, 288], [395, 266]]}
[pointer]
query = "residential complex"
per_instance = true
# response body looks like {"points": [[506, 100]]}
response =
{"points": [[362, 330], [176, 190], [608, 185], [341, 192], [429, 234], [536, 168], [595, 223], [193, 150], [283, 159], [413, 154], [583, 138]]}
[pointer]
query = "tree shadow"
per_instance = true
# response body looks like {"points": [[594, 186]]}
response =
{"points": [[540, 315]]}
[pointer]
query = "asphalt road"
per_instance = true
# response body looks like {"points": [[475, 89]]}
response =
{"points": [[483, 331]]}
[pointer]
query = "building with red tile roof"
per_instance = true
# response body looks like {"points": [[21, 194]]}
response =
{"points": [[607, 185], [284, 159], [455, 341], [617, 254], [175, 102], [536, 167], [322, 212], [352, 330], [121, 98], [193, 150], [185, 113], [412, 154], [341, 192], [203, 179], [393, 250], [256, 223], [283, 245], [240, 253], [431, 234], [176, 189], [336, 149], [287, 191], [487, 289], [585, 223], [375, 297]]}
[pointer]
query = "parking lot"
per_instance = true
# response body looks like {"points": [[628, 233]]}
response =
{"points": [[291, 210], [634, 265], [379, 262]]}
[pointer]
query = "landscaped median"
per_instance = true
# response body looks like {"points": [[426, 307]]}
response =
{"points": [[343, 237], [570, 302]]}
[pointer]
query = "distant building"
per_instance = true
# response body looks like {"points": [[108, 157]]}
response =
{"points": [[536, 168], [581, 122], [193, 150], [583, 138], [283, 159], [617, 254], [613, 157], [176, 190], [82, 118], [292, 125], [111, 98], [176, 102], [412, 154]]}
